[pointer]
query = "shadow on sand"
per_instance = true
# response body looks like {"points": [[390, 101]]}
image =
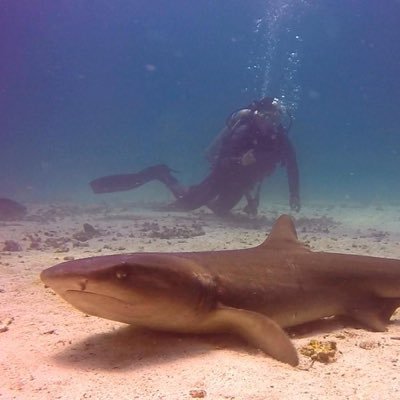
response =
{"points": [[132, 348]]}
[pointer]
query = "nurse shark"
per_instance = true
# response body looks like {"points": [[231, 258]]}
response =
{"points": [[255, 293]]}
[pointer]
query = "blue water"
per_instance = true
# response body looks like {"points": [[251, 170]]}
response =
{"points": [[89, 88]]}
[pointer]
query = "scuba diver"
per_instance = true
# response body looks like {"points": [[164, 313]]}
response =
{"points": [[249, 148]]}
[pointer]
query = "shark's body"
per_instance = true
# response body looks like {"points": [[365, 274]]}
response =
{"points": [[254, 292]]}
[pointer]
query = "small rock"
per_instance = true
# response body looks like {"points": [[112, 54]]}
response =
{"points": [[322, 351], [198, 393], [90, 229], [88, 232], [11, 210], [368, 344], [62, 250], [5, 324], [11, 245]]}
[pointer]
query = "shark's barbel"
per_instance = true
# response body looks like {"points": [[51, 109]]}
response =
{"points": [[255, 292]]}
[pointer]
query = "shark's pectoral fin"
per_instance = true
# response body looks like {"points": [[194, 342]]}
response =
{"points": [[257, 329]]}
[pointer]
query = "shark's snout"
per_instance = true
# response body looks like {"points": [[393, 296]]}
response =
{"points": [[61, 281], [152, 291]]}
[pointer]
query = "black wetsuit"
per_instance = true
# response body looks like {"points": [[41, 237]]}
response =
{"points": [[247, 152]]}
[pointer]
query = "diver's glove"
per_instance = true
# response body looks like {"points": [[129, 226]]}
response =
{"points": [[294, 203]]}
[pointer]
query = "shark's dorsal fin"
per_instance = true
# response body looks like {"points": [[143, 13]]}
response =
{"points": [[283, 234]]}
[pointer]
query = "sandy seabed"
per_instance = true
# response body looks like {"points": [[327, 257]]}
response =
{"points": [[48, 350]]}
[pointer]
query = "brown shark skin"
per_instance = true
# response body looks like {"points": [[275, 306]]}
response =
{"points": [[253, 292]]}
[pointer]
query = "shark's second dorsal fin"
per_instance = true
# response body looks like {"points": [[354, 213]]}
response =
{"points": [[283, 234]]}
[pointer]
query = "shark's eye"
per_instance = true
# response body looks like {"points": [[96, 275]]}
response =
{"points": [[121, 274]]}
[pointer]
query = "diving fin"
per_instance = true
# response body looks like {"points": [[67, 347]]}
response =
{"points": [[118, 183]]}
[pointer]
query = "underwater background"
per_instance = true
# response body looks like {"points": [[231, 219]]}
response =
{"points": [[91, 88]]}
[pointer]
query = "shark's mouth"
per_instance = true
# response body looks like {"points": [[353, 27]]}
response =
{"points": [[101, 305]]}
